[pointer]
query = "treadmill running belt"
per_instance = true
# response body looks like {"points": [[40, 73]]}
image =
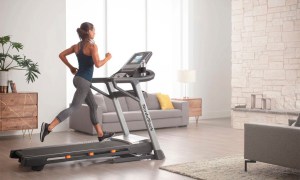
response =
{"points": [[40, 151]]}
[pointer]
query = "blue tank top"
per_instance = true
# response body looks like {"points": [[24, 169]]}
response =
{"points": [[86, 65]]}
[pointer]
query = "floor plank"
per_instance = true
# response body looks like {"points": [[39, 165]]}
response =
{"points": [[208, 139]]}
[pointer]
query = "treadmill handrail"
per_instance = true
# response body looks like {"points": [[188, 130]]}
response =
{"points": [[150, 75], [100, 91], [123, 91]]}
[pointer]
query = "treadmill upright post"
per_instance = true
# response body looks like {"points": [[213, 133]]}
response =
{"points": [[158, 153], [118, 109]]}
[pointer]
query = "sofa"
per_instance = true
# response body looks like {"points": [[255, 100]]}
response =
{"points": [[273, 144], [109, 121]]}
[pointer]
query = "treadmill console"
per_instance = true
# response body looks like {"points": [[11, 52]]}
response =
{"points": [[131, 68]]}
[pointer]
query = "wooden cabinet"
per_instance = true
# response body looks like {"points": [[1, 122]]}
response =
{"points": [[195, 106], [18, 111]]}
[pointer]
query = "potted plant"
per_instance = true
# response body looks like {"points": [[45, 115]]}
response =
{"points": [[10, 61]]}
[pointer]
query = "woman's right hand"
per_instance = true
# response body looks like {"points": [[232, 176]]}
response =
{"points": [[73, 70], [108, 56]]}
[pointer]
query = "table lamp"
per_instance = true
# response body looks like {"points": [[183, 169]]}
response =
{"points": [[186, 76]]}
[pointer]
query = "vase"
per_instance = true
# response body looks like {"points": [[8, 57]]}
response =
{"points": [[3, 81]]}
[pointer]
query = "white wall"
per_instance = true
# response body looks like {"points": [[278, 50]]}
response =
{"points": [[210, 55], [40, 26]]}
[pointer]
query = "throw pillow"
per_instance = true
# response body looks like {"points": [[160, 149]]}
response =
{"points": [[164, 101], [297, 123]]}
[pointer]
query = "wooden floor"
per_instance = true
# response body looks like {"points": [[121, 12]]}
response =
{"points": [[206, 140]]}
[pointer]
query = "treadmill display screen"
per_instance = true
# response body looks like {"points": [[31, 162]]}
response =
{"points": [[137, 59]]}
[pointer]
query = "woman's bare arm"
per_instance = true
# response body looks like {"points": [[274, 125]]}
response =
{"points": [[63, 56], [95, 55]]}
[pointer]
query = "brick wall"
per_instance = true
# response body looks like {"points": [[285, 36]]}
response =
{"points": [[266, 51], [265, 56]]}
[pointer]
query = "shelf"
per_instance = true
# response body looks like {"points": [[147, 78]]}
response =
{"points": [[285, 112]]}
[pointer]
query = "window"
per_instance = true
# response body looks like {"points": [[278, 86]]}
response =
{"points": [[124, 27], [79, 11], [164, 40]]}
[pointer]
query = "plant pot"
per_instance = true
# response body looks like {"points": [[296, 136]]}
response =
{"points": [[3, 81]]}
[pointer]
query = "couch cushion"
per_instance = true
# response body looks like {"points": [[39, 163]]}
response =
{"points": [[152, 101], [132, 104], [161, 114], [110, 106], [137, 115], [100, 102]]}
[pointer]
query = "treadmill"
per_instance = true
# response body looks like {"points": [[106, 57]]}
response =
{"points": [[124, 148]]}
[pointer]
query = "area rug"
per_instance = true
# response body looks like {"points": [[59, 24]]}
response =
{"points": [[232, 168]]}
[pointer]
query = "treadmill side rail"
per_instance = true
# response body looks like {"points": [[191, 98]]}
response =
{"points": [[129, 158]]}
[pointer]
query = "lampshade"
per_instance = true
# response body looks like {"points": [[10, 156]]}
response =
{"points": [[186, 76]]}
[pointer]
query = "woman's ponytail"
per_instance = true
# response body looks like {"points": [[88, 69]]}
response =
{"points": [[82, 34]]}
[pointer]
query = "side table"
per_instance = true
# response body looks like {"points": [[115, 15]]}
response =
{"points": [[195, 106]]}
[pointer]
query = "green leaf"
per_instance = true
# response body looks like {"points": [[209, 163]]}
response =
{"points": [[31, 68], [16, 57], [17, 45], [4, 40]]}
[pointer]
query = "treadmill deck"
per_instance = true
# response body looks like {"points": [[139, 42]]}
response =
{"points": [[68, 149]]}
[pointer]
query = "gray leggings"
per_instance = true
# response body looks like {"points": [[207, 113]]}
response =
{"points": [[83, 94]]}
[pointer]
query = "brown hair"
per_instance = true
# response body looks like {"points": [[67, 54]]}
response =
{"points": [[83, 31]]}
